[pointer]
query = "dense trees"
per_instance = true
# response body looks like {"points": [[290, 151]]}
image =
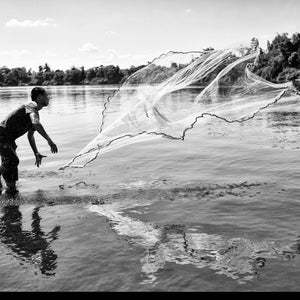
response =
{"points": [[280, 62], [74, 76], [14, 76]]}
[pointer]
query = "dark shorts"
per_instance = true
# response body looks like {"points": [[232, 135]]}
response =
{"points": [[9, 159]]}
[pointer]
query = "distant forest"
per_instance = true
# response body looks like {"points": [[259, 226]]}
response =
{"points": [[280, 62]]}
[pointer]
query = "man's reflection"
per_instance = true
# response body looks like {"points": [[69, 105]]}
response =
{"points": [[30, 246]]}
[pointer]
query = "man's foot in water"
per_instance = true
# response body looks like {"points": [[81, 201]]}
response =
{"points": [[11, 192], [11, 188]]}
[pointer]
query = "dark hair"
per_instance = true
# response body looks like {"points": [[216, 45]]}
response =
{"points": [[35, 92]]}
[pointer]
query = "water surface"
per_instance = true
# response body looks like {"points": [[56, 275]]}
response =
{"points": [[216, 212]]}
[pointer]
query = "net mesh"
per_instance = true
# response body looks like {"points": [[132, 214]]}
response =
{"points": [[171, 94]]}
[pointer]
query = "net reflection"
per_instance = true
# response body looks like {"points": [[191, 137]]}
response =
{"points": [[29, 246], [237, 258]]}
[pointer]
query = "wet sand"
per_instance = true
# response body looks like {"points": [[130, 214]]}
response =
{"points": [[81, 237]]}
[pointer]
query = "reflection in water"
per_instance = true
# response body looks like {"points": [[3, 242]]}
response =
{"points": [[10, 94], [286, 115], [77, 99], [285, 118], [28, 246], [236, 258]]}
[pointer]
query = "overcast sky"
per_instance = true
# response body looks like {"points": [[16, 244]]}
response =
{"points": [[132, 32]]}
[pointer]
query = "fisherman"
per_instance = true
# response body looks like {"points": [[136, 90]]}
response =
{"points": [[24, 119]]}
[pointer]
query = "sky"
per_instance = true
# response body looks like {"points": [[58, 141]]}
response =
{"points": [[89, 33]]}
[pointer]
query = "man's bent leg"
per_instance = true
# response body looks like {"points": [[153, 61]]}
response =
{"points": [[9, 166], [11, 185]]}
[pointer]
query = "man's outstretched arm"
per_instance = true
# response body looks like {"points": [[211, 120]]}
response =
{"points": [[38, 156], [40, 129]]}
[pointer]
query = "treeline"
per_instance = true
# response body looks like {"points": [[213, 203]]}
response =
{"points": [[74, 76], [280, 62]]}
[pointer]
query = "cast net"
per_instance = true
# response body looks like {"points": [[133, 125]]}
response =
{"points": [[170, 95]]}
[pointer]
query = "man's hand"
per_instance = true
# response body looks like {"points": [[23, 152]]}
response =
{"points": [[53, 147], [38, 159]]}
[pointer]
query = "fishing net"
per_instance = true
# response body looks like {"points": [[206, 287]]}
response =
{"points": [[174, 92]]}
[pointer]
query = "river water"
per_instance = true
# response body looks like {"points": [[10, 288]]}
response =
{"points": [[219, 211]]}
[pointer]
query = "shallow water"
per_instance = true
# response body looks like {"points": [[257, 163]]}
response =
{"points": [[216, 212]]}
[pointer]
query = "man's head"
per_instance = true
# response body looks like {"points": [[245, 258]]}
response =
{"points": [[39, 95]]}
